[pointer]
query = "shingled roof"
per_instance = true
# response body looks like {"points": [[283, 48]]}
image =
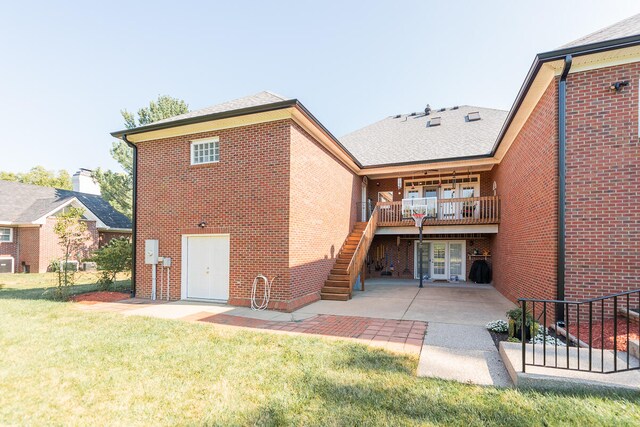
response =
{"points": [[257, 99], [624, 28], [26, 203], [413, 137]]}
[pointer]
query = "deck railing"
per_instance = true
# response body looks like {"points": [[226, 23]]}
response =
{"points": [[470, 210], [357, 261], [598, 335]]}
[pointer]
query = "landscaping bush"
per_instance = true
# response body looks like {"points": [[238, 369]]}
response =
{"points": [[515, 324], [113, 258], [498, 326]]}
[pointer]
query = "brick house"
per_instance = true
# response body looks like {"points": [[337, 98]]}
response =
{"points": [[546, 193], [28, 243]]}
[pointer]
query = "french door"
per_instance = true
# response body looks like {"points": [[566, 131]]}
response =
{"points": [[441, 260]]}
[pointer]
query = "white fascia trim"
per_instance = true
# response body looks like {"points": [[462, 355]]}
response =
{"points": [[74, 200], [440, 229], [114, 230]]}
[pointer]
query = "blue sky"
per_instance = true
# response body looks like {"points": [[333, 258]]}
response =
{"points": [[68, 68]]}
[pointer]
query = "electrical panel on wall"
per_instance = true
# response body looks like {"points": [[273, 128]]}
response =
{"points": [[150, 251]]}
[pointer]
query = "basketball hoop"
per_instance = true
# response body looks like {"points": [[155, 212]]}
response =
{"points": [[418, 218]]}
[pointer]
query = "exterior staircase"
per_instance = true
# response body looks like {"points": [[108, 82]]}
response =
{"points": [[338, 286]]}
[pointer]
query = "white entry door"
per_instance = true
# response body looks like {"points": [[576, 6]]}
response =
{"points": [[439, 260], [207, 267]]}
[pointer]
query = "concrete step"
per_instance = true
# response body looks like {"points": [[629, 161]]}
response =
{"points": [[334, 297], [334, 290]]}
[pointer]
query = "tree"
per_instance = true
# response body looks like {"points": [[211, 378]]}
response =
{"points": [[72, 235], [38, 175], [117, 187]]}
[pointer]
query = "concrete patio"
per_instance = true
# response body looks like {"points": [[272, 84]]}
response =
{"points": [[457, 303]]}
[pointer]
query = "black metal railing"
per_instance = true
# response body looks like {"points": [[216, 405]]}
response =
{"points": [[582, 336]]}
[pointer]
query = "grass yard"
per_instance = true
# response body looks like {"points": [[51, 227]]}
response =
{"points": [[66, 367], [42, 285]]}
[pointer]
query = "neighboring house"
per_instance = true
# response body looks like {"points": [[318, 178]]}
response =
{"points": [[28, 216], [546, 193]]}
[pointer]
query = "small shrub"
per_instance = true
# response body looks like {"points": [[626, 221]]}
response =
{"points": [[54, 267], [113, 258], [541, 337], [498, 326]]}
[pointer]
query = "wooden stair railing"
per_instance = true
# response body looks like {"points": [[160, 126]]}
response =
{"points": [[349, 261], [359, 256]]}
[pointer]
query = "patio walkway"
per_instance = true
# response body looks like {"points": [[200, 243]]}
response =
{"points": [[393, 314]]}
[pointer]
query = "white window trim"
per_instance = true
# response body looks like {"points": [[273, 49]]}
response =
{"points": [[10, 235], [203, 141]]}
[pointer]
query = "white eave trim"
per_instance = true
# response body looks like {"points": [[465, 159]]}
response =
{"points": [[90, 215]]}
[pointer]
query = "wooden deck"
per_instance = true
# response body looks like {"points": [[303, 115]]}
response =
{"points": [[467, 211]]}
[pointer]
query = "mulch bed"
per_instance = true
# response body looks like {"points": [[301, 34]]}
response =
{"points": [[608, 333], [497, 337], [100, 296]]}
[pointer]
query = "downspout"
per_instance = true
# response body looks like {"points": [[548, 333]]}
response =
{"points": [[134, 213], [562, 184]]}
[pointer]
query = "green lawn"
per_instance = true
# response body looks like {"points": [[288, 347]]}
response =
{"points": [[42, 285], [62, 366]]}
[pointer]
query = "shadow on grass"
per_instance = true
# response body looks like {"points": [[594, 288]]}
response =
{"points": [[49, 293], [440, 401]]}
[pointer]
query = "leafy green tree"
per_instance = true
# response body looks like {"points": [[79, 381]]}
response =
{"points": [[72, 235], [38, 175], [117, 187]]}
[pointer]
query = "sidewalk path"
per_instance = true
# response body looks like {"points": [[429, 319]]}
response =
{"points": [[464, 353]]}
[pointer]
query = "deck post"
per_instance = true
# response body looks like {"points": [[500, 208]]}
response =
{"points": [[362, 278]]}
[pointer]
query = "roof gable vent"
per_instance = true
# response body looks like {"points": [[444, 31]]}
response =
{"points": [[473, 116], [435, 121]]}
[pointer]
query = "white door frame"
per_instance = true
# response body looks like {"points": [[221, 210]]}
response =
{"points": [[13, 262], [184, 264], [447, 258]]}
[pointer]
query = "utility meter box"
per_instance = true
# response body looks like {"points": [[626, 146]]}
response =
{"points": [[166, 262], [150, 251]]}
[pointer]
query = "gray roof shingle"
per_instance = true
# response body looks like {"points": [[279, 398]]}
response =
{"points": [[625, 28], [24, 203], [260, 98], [410, 138]]}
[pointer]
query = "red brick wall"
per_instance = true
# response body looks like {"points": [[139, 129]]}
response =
{"points": [[323, 197], [245, 194], [50, 249], [10, 249], [524, 250], [104, 237], [29, 242], [603, 175]]}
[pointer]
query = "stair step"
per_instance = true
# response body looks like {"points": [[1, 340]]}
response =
{"points": [[337, 283], [339, 277], [334, 297], [335, 290], [343, 260], [339, 271]]}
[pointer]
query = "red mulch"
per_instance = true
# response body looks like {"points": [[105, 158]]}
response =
{"points": [[608, 333], [101, 296]]}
